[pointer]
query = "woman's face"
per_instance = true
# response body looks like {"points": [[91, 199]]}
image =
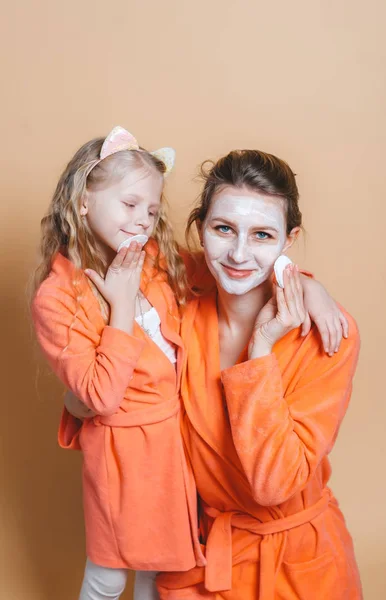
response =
{"points": [[243, 234]]}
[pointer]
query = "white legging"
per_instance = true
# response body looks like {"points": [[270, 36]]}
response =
{"points": [[101, 583]]}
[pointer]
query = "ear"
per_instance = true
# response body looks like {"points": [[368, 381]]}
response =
{"points": [[84, 205], [291, 238]]}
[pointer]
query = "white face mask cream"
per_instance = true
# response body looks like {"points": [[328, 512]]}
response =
{"points": [[243, 235]]}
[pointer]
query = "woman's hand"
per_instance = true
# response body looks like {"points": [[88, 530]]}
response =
{"points": [[76, 408], [283, 312], [325, 313], [120, 285]]}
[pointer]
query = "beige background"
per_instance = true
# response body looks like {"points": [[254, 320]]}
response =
{"points": [[302, 79]]}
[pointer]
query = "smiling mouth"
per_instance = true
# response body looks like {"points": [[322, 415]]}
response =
{"points": [[237, 273]]}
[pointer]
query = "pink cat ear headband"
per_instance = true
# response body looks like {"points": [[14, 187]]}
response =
{"points": [[119, 139]]}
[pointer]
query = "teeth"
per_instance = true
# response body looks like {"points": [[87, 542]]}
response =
{"points": [[279, 266], [140, 239]]}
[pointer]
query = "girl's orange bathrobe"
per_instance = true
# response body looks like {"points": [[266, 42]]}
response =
{"points": [[258, 436], [139, 496]]}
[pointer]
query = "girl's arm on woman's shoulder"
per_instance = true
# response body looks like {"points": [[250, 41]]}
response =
{"points": [[325, 313], [280, 435]]}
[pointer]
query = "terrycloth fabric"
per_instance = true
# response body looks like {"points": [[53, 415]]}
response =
{"points": [[139, 496], [258, 436]]}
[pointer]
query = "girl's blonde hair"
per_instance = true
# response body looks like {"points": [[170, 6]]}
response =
{"points": [[64, 230]]}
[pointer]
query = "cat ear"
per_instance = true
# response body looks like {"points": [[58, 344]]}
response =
{"points": [[167, 156], [118, 139]]}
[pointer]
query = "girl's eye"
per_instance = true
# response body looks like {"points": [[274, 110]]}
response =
{"points": [[262, 235], [129, 205], [223, 228]]}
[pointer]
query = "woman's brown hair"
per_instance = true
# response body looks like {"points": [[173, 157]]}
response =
{"points": [[256, 170]]}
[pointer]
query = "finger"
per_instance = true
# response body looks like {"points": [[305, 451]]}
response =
{"points": [[324, 334], [118, 260], [344, 324], [339, 334], [131, 254], [280, 301], [289, 292], [141, 260], [333, 338], [135, 261], [306, 327], [97, 280], [138, 259], [299, 295]]}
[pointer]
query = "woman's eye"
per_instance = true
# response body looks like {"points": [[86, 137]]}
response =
{"points": [[223, 228], [262, 235]]}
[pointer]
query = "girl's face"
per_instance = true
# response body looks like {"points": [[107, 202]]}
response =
{"points": [[125, 208], [243, 234]]}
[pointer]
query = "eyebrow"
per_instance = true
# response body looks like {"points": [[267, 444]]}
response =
{"points": [[259, 227]]}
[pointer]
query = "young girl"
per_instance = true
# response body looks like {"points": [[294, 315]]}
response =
{"points": [[121, 355]]}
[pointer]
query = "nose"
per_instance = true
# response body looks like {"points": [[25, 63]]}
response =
{"points": [[143, 220], [239, 252]]}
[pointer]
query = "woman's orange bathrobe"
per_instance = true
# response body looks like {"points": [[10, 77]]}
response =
{"points": [[258, 435], [139, 496]]}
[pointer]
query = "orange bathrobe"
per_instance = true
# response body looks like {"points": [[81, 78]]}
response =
{"points": [[139, 496], [258, 436]]}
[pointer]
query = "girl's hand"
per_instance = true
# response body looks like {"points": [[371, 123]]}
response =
{"points": [[325, 313], [284, 312], [76, 408], [121, 283], [120, 286]]}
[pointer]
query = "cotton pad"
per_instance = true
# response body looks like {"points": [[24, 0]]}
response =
{"points": [[140, 239], [279, 267]]}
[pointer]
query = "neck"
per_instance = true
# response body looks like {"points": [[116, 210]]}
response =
{"points": [[238, 312]]}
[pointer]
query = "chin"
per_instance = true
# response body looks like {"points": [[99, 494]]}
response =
{"points": [[236, 288], [239, 288]]}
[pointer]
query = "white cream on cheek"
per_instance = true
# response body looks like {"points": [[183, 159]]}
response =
{"points": [[240, 248]]}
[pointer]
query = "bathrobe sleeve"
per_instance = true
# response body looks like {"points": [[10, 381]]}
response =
{"points": [[281, 435], [95, 365]]}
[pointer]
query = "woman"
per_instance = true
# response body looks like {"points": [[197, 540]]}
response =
{"points": [[263, 404]]}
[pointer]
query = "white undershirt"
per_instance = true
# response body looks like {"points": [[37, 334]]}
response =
{"points": [[151, 323]]}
